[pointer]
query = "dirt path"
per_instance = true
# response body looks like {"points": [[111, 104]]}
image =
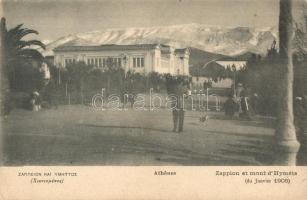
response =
{"points": [[79, 135]]}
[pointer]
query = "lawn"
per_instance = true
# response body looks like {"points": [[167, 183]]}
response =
{"points": [[80, 135]]}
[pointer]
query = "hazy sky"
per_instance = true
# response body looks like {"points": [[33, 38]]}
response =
{"points": [[54, 19]]}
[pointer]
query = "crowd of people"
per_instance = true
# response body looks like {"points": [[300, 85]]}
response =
{"points": [[246, 105]]}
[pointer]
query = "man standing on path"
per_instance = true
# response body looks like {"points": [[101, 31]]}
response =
{"points": [[177, 87]]}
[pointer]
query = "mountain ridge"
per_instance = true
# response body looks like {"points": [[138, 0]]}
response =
{"points": [[216, 39]]}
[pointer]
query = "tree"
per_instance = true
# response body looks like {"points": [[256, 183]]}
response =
{"points": [[15, 52], [115, 76], [154, 79], [4, 77], [287, 144], [77, 72]]}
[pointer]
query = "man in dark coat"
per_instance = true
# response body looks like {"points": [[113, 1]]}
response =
{"points": [[230, 106], [177, 87]]}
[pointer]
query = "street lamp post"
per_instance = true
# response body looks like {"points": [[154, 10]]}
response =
{"points": [[234, 82], [59, 75]]}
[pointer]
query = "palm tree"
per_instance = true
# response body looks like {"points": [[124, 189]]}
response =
{"points": [[287, 144], [15, 51], [18, 51]]}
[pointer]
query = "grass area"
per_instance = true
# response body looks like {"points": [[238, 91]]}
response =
{"points": [[80, 135]]}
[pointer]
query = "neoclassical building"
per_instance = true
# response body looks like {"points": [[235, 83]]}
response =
{"points": [[141, 58]]}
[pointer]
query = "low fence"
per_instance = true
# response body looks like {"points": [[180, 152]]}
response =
{"points": [[64, 95]]}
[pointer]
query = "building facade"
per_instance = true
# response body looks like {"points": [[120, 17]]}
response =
{"points": [[140, 58]]}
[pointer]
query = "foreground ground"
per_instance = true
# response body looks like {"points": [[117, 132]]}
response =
{"points": [[80, 135]]}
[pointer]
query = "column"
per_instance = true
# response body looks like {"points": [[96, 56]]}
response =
{"points": [[287, 145]]}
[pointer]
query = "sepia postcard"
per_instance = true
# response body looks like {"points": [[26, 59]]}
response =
{"points": [[153, 99]]}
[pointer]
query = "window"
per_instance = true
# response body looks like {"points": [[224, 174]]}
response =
{"points": [[134, 62], [99, 62], [115, 62], [119, 62], [89, 61], [96, 62], [69, 61], [138, 62], [104, 62]]}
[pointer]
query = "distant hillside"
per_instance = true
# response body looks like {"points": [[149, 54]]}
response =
{"points": [[199, 57]]}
